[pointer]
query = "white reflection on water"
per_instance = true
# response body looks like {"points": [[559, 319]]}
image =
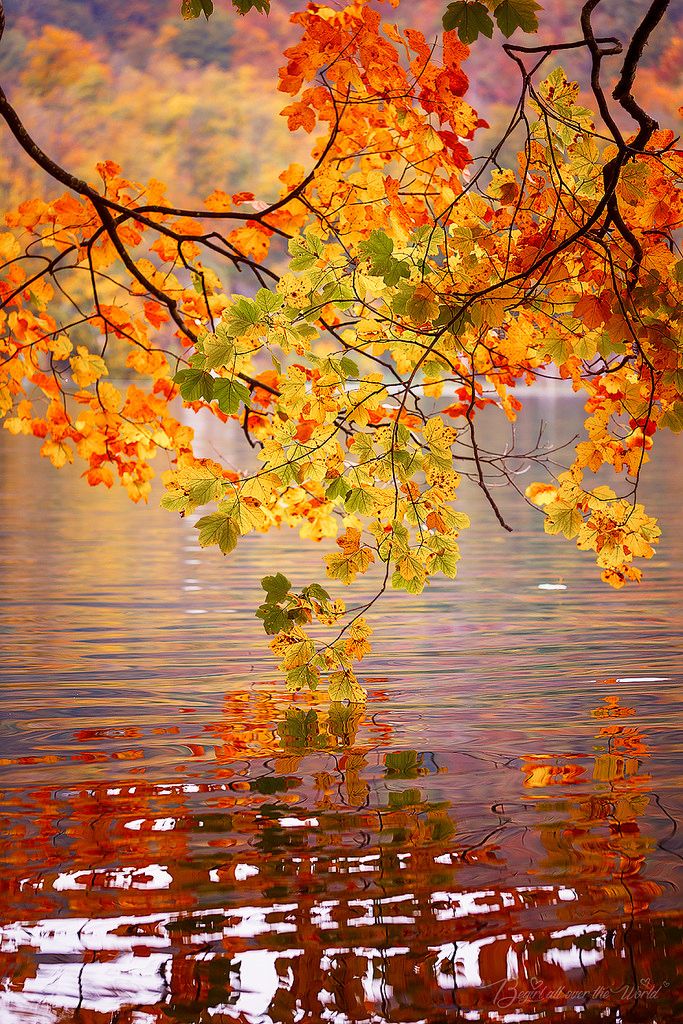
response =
{"points": [[123, 978]]}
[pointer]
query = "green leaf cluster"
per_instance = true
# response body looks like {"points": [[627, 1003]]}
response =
{"points": [[197, 385], [282, 609], [195, 8], [471, 19], [379, 250], [301, 730]]}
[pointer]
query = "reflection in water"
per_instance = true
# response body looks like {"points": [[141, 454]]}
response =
{"points": [[329, 877], [494, 838]]}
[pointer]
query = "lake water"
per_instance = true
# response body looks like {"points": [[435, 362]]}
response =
{"points": [[493, 838]]}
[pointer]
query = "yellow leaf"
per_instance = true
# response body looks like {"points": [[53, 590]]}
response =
{"points": [[57, 452], [87, 367], [563, 518], [344, 686], [9, 247]]}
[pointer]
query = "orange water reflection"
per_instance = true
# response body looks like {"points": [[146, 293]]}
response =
{"points": [[319, 871]]}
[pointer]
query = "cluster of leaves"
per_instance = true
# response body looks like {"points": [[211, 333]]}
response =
{"points": [[281, 608], [416, 291], [471, 18], [195, 8], [284, 614]]}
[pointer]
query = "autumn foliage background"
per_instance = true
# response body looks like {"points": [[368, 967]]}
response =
{"points": [[196, 105]]}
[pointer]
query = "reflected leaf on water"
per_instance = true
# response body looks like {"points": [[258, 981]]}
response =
{"points": [[344, 721], [404, 764], [300, 731], [337, 727]]}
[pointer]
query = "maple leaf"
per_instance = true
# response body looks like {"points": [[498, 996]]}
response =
{"points": [[354, 559], [562, 517], [469, 19], [513, 14], [251, 240], [299, 115], [229, 394], [276, 587], [217, 529], [9, 247], [343, 686], [379, 249], [86, 367]]}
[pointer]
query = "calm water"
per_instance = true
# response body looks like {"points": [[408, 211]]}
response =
{"points": [[494, 838]]}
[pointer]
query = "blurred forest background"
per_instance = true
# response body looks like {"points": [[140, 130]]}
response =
{"points": [[195, 104]]}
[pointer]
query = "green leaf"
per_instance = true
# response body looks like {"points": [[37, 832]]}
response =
{"points": [[193, 8], [455, 319], [195, 385], [414, 585], [337, 292], [217, 529], [563, 518], [362, 448], [219, 349], [514, 14], [405, 798], [358, 500], [339, 488], [558, 348], [244, 6], [243, 314], [190, 9], [470, 19], [343, 722], [267, 301], [175, 500], [421, 307], [445, 557], [672, 419], [378, 247], [305, 332], [302, 676], [318, 593], [275, 619], [229, 394], [301, 729], [305, 252], [379, 250], [276, 587], [298, 615], [349, 367], [201, 492], [200, 484]]}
